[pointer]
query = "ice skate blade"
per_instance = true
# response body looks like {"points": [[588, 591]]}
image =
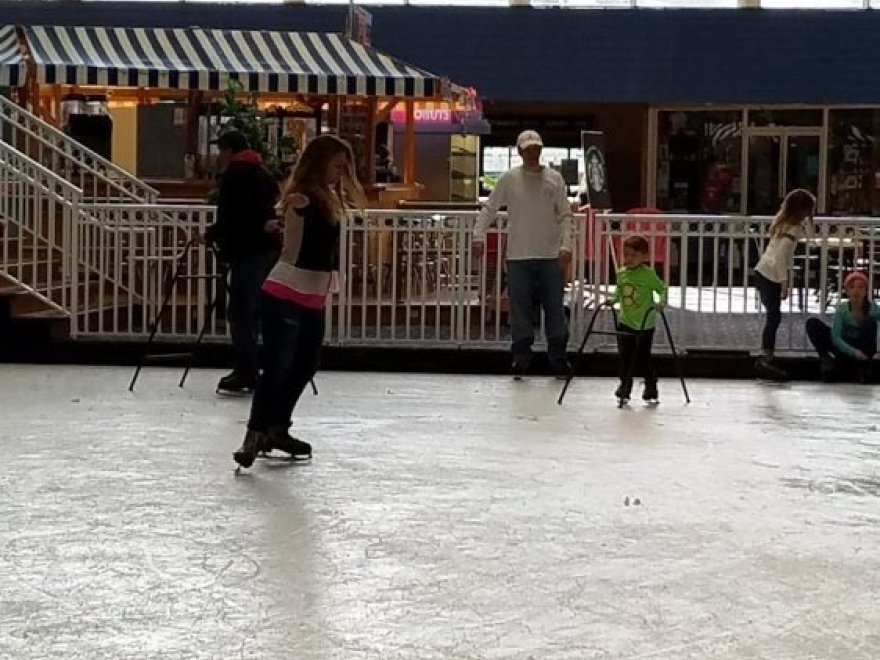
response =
{"points": [[282, 457], [771, 374], [622, 402], [229, 394], [651, 403]]}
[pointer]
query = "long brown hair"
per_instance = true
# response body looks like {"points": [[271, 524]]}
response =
{"points": [[797, 206], [308, 178]]}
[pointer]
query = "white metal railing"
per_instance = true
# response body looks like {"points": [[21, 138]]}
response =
{"points": [[408, 278], [411, 277], [101, 265], [100, 180], [37, 213], [133, 252], [708, 263]]}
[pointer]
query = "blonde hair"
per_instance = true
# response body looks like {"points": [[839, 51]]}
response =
{"points": [[797, 206], [308, 178]]}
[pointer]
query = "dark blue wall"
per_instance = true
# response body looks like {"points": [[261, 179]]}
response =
{"points": [[518, 54]]}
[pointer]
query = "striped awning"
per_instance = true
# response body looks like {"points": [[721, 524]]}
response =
{"points": [[11, 64], [194, 58]]}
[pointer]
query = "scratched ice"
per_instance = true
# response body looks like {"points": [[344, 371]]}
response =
{"points": [[442, 518]]}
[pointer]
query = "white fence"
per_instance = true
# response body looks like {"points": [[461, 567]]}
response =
{"points": [[37, 212], [411, 278], [100, 265], [128, 255], [708, 262]]}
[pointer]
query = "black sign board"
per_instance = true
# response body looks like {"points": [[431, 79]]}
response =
{"points": [[594, 188]]}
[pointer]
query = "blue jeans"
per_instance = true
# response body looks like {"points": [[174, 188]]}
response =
{"points": [[531, 282], [292, 339], [246, 277]]}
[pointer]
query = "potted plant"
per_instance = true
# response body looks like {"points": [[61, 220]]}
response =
{"points": [[239, 111]]}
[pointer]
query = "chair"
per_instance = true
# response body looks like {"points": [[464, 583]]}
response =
{"points": [[653, 230]]}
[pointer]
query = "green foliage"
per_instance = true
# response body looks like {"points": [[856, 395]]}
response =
{"points": [[246, 117]]}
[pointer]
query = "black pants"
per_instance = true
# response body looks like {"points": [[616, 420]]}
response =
{"points": [[246, 277], [771, 298], [845, 366], [292, 339], [634, 347]]}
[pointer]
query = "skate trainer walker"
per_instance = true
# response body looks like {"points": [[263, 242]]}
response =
{"points": [[629, 368]]}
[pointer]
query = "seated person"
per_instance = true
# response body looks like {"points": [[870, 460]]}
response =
{"points": [[849, 346]]}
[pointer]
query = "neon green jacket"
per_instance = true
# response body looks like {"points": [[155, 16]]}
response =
{"points": [[635, 293]]}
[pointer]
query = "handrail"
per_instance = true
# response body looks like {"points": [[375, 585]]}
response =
{"points": [[28, 255], [20, 119], [60, 181]]}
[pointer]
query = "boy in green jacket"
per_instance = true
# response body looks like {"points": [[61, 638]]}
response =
{"points": [[637, 282]]}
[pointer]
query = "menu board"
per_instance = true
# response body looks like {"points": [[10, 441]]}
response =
{"points": [[594, 188]]}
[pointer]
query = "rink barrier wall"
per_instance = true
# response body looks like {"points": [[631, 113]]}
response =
{"points": [[411, 278]]}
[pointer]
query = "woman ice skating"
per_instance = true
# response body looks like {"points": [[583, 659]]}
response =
{"points": [[321, 190]]}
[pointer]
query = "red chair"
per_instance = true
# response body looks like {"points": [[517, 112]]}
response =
{"points": [[496, 254], [655, 231]]}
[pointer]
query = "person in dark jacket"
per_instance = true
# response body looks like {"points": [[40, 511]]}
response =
{"points": [[248, 237]]}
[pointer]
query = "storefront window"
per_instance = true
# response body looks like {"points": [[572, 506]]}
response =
{"points": [[800, 117], [853, 162], [497, 160], [699, 161]]}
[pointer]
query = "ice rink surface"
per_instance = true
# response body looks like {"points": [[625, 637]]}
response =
{"points": [[442, 517]]}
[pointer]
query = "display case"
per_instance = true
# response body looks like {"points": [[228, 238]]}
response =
{"points": [[497, 160], [464, 168]]}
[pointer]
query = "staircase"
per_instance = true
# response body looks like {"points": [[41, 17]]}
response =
{"points": [[98, 179], [36, 209], [84, 246]]}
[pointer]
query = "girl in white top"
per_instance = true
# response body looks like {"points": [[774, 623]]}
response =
{"points": [[773, 270]]}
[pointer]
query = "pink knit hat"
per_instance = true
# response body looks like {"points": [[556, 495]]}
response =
{"points": [[853, 277]]}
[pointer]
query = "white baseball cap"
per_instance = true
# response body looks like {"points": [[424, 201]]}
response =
{"points": [[528, 139]]}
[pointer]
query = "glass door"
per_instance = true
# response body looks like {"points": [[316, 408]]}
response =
{"points": [[802, 162], [764, 182], [779, 160]]}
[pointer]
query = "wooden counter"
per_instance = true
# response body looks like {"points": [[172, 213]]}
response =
{"points": [[389, 195], [193, 190]]}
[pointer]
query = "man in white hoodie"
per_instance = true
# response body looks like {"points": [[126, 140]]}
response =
{"points": [[539, 230]]}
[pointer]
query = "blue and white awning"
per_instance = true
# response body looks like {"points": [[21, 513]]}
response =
{"points": [[11, 63], [195, 58]]}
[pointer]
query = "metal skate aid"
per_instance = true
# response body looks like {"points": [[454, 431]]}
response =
{"points": [[675, 356], [171, 282], [581, 348], [631, 365]]}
